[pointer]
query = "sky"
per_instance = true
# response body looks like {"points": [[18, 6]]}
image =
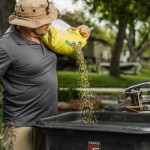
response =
{"points": [[63, 5]]}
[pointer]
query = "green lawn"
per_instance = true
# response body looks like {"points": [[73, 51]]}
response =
{"points": [[69, 79]]}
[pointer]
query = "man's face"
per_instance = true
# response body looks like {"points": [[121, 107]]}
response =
{"points": [[40, 31]]}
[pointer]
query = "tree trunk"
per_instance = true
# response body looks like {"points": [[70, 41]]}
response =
{"points": [[131, 43], [115, 59], [133, 56], [6, 8]]}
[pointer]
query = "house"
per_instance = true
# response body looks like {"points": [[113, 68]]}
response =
{"points": [[97, 51]]}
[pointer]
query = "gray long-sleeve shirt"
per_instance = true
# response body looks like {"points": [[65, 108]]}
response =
{"points": [[28, 75]]}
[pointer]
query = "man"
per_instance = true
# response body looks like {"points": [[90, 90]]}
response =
{"points": [[28, 74]]}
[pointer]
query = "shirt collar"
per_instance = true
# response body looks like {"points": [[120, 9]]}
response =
{"points": [[20, 40]]}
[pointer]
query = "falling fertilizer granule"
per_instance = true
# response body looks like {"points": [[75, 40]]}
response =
{"points": [[86, 96], [62, 39]]}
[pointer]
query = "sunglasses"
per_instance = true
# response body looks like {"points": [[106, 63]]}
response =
{"points": [[47, 8]]}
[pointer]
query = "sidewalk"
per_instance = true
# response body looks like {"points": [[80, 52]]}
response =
{"points": [[110, 89]]}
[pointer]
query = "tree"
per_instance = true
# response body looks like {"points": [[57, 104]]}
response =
{"points": [[137, 47], [6, 8], [120, 14]]}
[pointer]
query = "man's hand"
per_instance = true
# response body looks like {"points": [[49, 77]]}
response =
{"points": [[84, 30]]}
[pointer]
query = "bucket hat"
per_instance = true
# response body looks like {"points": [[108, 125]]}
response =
{"points": [[33, 13]]}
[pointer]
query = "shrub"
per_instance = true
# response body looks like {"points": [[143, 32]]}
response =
{"points": [[66, 95], [67, 62]]}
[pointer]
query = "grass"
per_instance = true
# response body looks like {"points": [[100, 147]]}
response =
{"points": [[69, 79]]}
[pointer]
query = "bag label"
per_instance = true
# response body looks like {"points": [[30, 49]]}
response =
{"points": [[94, 145]]}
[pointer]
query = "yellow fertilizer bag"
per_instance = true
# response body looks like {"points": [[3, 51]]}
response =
{"points": [[63, 41]]}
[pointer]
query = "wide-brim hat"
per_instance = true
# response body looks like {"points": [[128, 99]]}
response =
{"points": [[33, 13]]}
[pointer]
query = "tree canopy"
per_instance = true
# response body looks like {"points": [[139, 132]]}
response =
{"points": [[120, 13]]}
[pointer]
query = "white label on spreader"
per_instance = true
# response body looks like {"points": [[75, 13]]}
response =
{"points": [[94, 145]]}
